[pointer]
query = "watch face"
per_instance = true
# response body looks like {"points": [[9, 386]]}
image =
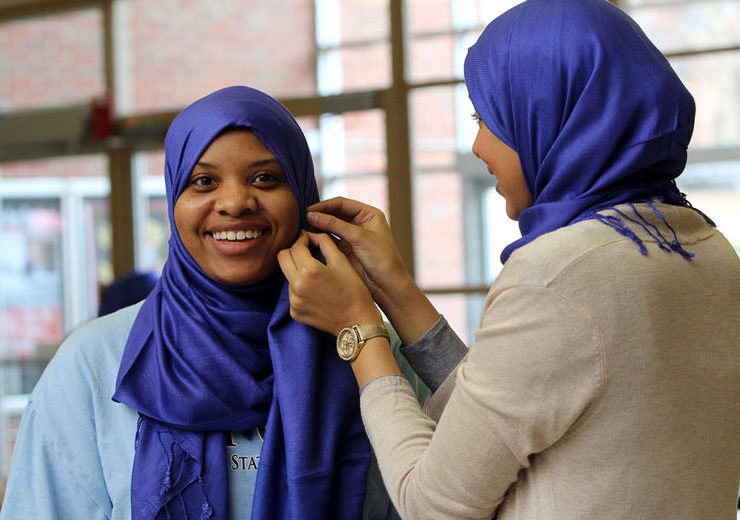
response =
{"points": [[346, 344]]}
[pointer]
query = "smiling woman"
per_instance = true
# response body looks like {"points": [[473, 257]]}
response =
{"points": [[210, 369]]}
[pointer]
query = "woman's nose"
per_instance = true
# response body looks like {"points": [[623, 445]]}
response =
{"points": [[474, 148], [236, 200]]}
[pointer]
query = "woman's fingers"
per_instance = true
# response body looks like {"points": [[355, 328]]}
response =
{"points": [[328, 223], [328, 248], [345, 213], [325, 296], [346, 209], [285, 257]]}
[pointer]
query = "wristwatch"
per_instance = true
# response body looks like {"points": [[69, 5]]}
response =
{"points": [[350, 340]]}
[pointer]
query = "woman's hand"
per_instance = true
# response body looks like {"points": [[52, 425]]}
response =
{"points": [[367, 241], [325, 296], [332, 296]]}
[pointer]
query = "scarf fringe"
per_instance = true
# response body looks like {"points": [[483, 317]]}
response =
{"points": [[617, 223], [167, 482], [206, 511]]}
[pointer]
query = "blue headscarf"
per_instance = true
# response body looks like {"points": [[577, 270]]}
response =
{"points": [[593, 109], [203, 359]]}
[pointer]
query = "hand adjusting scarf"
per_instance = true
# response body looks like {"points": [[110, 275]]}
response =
{"points": [[203, 359], [593, 109]]}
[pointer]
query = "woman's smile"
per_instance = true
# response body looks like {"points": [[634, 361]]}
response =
{"points": [[233, 243], [236, 235], [236, 243]]}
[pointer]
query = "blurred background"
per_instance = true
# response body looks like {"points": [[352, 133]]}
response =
{"points": [[88, 88]]}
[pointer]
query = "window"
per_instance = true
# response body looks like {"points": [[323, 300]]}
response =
{"points": [[352, 45], [168, 54], [702, 41], [456, 260], [56, 247], [351, 156], [151, 222], [51, 60]]}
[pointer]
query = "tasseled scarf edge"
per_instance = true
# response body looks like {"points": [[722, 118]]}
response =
{"points": [[668, 245], [167, 482]]}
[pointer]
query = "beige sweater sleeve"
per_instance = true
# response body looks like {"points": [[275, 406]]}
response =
{"points": [[532, 375]]}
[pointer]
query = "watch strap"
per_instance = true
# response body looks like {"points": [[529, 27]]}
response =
{"points": [[371, 330]]}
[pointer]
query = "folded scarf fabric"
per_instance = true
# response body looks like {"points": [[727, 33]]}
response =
{"points": [[593, 109], [203, 359]]}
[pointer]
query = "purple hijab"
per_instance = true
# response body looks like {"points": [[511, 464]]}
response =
{"points": [[593, 109], [204, 359]]}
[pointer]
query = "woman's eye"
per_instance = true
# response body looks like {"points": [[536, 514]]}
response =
{"points": [[266, 178], [475, 117], [202, 180]]}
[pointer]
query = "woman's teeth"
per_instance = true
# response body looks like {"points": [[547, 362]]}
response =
{"points": [[237, 235]]}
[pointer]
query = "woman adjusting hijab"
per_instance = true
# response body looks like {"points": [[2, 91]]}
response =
{"points": [[223, 406], [214, 348], [603, 381]]}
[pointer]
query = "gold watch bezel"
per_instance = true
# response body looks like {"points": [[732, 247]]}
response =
{"points": [[350, 340], [348, 343]]}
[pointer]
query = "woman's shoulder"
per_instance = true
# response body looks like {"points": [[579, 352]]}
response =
{"points": [[594, 246], [89, 356], [84, 439], [101, 337], [544, 259]]}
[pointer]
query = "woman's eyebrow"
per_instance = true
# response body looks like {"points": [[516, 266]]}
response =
{"points": [[207, 166], [255, 164], [266, 162]]}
